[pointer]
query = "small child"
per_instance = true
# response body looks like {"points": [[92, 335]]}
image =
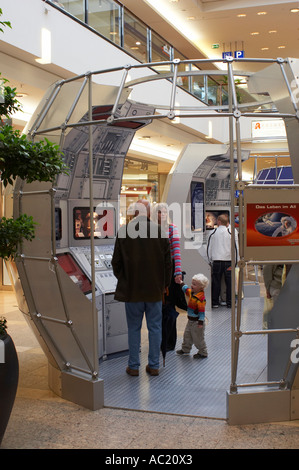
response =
{"points": [[195, 328]]}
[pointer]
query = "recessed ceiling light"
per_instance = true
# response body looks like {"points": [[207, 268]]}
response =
{"points": [[264, 48], [241, 15], [272, 31], [254, 33], [262, 13], [294, 10], [191, 18], [281, 47]]}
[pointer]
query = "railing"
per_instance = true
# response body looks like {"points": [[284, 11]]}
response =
{"points": [[114, 22]]}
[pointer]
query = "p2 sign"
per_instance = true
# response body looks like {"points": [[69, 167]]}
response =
{"points": [[239, 54]]}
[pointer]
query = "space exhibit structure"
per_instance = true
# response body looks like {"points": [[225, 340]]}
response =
{"points": [[63, 279]]}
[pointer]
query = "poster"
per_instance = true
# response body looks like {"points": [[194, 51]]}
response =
{"points": [[271, 222]]}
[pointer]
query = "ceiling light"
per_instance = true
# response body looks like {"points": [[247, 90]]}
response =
{"points": [[255, 33], [264, 48], [294, 10], [241, 15], [21, 94], [272, 31], [262, 13], [281, 47], [191, 18]]}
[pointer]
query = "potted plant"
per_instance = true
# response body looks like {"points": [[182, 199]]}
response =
{"points": [[9, 375]]}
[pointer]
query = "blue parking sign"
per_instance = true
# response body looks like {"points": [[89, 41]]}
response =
{"points": [[226, 54], [239, 54]]}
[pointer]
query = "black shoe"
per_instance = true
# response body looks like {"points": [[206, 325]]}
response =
{"points": [[199, 356], [180, 352]]}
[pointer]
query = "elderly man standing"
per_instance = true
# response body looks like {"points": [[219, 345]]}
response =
{"points": [[142, 265]]}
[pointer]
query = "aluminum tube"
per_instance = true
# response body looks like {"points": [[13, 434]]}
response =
{"points": [[79, 369], [61, 291], [234, 346], [232, 85], [120, 90], [273, 261], [288, 86], [50, 319], [273, 115], [53, 224], [46, 108], [91, 203], [259, 384], [26, 193], [268, 332], [72, 108], [174, 86], [93, 371]]}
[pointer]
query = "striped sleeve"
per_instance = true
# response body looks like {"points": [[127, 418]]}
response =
{"points": [[175, 249]]}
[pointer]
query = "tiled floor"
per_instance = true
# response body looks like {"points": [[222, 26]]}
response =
{"points": [[42, 420]]}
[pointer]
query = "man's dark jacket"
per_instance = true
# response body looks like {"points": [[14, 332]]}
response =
{"points": [[141, 262]]}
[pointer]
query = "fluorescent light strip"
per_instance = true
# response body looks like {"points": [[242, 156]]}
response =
{"points": [[46, 56], [155, 151]]}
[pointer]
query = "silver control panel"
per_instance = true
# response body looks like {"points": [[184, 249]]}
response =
{"points": [[104, 277]]}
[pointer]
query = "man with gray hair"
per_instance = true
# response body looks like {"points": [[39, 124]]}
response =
{"points": [[142, 265]]}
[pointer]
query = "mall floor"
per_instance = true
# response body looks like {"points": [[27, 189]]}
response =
{"points": [[42, 420]]}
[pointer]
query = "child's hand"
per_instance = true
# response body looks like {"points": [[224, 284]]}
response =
{"points": [[200, 324]]}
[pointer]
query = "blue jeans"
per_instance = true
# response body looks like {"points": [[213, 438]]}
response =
{"points": [[153, 315]]}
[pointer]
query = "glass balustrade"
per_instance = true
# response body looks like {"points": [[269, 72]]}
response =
{"points": [[113, 21], [105, 17], [135, 37]]}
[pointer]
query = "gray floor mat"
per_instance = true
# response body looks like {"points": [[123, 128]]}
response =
{"points": [[188, 386]]}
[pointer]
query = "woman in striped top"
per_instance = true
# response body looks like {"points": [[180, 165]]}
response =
{"points": [[160, 216]]}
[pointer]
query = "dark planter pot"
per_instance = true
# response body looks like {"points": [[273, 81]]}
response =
{"points": [[9, 377]]}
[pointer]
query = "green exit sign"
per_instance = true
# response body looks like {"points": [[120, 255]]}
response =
{"points": [[215, 46]]}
